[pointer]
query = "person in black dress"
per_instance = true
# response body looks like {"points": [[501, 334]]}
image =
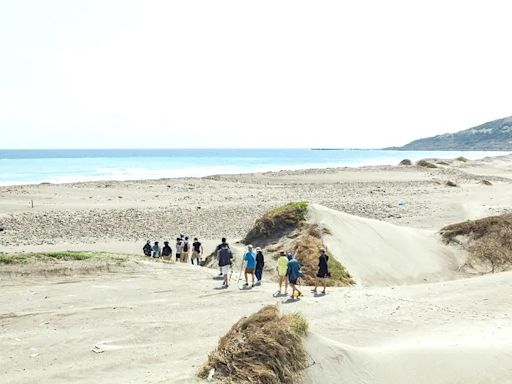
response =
{"points": [[323, 270], [260, 263]]}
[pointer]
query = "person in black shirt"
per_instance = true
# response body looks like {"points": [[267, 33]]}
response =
{"points": [[223, 242], [147, 249], [197, 252], [323, 270], [224, 256], [260, 263], [166, 251]]}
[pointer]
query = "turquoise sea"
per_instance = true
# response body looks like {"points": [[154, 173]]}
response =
{"points": [[60, 166]]}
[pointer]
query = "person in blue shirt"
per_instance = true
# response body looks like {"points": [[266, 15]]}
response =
{"points": [[294, 273], [250, 265]]}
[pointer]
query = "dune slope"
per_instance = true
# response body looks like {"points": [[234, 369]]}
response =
{"points": [[380, 253], [429, 333]]}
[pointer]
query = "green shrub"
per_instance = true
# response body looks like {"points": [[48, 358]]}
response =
{"points": [[338, 272], [276, 223], [69, 255], [295, 212]]}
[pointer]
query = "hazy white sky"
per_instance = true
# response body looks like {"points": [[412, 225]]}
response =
{"points": [[117, 74]]}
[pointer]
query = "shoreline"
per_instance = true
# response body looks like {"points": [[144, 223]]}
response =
{"points": [[301, 169], [227, 205]]}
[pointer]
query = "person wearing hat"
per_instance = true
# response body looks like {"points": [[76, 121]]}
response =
{"points": [[157, 252], [282, 267], [250, 265], [260, 263], [166, 251], [323, 270], [147, 248], [294, 273]]}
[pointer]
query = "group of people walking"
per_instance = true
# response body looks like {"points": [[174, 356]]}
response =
{"points": [[288, 268], [183, 250], [289, 271]]}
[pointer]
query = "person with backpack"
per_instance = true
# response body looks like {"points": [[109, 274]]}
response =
{"points": [[147, 248], [260, 263], [224, 256], [197, 252], [179, 248], [282, 268], [250, 265], [294, 273], [222, 242], [157, 252], [166, 251], [323, 270], [186, 251]]}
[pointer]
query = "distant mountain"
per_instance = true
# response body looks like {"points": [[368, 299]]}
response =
{"points": [[492, 136]]}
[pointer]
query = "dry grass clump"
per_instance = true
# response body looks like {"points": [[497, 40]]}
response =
{"points": [[425, 164], [405, 162], [450, 184], [306, 248], [59, 263], [461, 159], [485, 182], [17, 258], [276, 223], [488, 240], [210, 260], [264, 348]]}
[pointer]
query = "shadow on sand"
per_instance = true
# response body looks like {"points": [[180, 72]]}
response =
{"points": [[291, 300]]}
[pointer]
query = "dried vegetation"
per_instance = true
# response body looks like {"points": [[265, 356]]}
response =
{"points": [[488, 241], [265, 348], [426, 164]]}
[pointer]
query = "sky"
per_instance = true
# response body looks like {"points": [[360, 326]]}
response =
{"points": [[241, 74]]}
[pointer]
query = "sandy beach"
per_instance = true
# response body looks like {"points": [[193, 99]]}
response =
{"points": [[80, 215], [412, 316]]}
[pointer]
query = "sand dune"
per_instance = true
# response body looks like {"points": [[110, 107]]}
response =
{"points": [[451, 342], [380, 253]]}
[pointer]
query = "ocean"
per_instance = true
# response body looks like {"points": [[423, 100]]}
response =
{"points": [[64, 166]]}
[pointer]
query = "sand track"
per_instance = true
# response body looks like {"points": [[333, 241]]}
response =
{"points": [[159, 324]]}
